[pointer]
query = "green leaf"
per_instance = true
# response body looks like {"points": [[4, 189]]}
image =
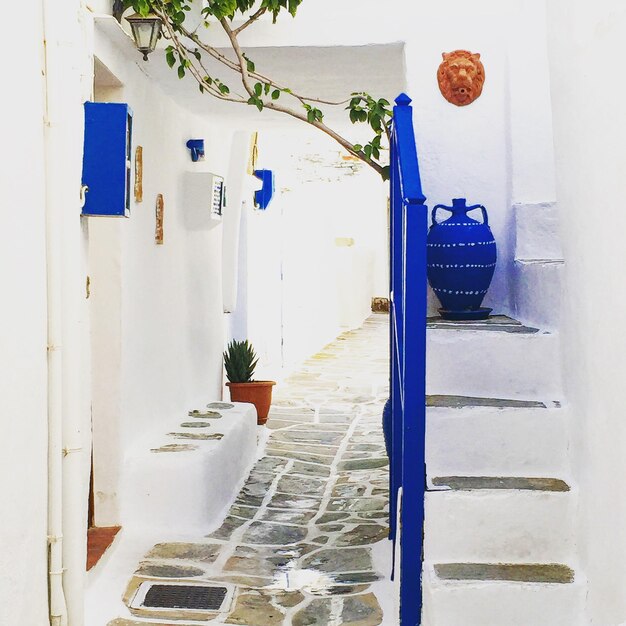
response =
{"points": [[169, 57], [357, 147], [224, 88], [256, 101], [251, 67], [275, 94], [181, 71], [258, 89]]}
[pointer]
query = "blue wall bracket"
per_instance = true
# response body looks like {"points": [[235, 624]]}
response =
{"points": [[197, 149], [263, 197]]}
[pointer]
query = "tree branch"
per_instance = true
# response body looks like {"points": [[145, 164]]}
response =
{"points": [[253, 18], [243, 64], [218, 56], [213, 86]]}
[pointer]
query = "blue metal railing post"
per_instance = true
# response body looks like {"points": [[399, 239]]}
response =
{"points": [[408, 226], [396, 328]]}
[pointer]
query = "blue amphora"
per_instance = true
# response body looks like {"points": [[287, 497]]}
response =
{"points": [[461, 260]]}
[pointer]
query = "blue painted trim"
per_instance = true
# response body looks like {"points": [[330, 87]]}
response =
{"points": [[408, 229]]}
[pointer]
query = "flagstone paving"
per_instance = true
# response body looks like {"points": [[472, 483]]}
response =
{"points": [[297, 542]]}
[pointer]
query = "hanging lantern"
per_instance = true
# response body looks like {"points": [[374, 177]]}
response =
{"points": [[146, 30]]}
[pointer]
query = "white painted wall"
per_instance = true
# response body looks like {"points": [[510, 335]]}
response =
{"points": [[590, 133], [497, 150], [158, 309], [303, 288], [23, 462]]}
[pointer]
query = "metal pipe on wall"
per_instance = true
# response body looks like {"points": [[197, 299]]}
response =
{"points": [[65, 55], [57, 608]]}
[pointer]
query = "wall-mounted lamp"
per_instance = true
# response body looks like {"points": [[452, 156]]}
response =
{"points": [[197, 149], [146, 30], [264, 196]]}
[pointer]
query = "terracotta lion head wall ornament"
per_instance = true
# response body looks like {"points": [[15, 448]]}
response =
{"points": [[461, 76]]}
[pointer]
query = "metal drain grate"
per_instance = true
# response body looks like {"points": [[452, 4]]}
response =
{"points": [[193, 597]]}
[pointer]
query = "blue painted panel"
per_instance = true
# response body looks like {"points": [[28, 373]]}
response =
{"points": [[106, 159], [264, 196]]}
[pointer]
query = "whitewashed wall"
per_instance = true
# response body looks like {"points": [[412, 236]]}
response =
{"points": [[590, 133], [23, 332], [497, 151], [158, 316], [301, 287]]}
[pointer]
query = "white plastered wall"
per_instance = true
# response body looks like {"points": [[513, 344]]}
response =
{"points": [[23, 461], [317, 256], [159, 312], [496, 151], [586, 45]]}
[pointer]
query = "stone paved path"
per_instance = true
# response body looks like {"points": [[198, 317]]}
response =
{"points": [[297, 543]]}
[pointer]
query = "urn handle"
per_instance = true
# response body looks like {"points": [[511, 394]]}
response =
{"points": [[439, 206], [483, 210]]}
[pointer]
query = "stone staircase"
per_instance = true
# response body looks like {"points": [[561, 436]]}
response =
{"points": [[499, 537]]}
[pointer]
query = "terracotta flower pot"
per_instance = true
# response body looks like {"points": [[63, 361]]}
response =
{"points": [[258, 392]]}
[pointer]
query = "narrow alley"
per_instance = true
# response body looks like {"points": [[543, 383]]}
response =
{"points": [[305, 542]]}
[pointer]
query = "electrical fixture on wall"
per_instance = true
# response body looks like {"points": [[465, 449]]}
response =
{"points": [[203, 190], [263, 196], [146, 31], [107, 159], [196, 146]]}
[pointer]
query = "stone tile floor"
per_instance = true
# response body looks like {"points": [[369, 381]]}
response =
{"points": [[297, 544]]}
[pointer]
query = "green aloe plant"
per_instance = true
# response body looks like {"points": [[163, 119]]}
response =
{"points": [[240, 361]]}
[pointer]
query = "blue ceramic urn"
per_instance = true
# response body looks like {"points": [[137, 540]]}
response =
{"points": [[461, 258]]}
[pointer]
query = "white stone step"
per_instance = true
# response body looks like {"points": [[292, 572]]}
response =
{"points": [[537, 231], [493, 437], [468, 594], [495, 358], [537, 291], [509, 519]]}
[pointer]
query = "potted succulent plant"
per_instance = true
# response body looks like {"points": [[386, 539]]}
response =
{"points": [[240, 361]]}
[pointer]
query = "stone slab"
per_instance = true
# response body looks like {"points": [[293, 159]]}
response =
{"points": [[512, 572], [473, 483]]}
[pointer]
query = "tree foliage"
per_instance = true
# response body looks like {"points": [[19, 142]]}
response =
{"points": [[187, 53]]}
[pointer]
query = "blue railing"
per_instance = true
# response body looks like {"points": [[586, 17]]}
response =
{"points": [[408, 221]]}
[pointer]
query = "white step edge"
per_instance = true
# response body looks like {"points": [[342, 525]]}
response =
{"points": [[493, 364], [537, 285], [537, 231], [496, 441], [511, 526]]}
